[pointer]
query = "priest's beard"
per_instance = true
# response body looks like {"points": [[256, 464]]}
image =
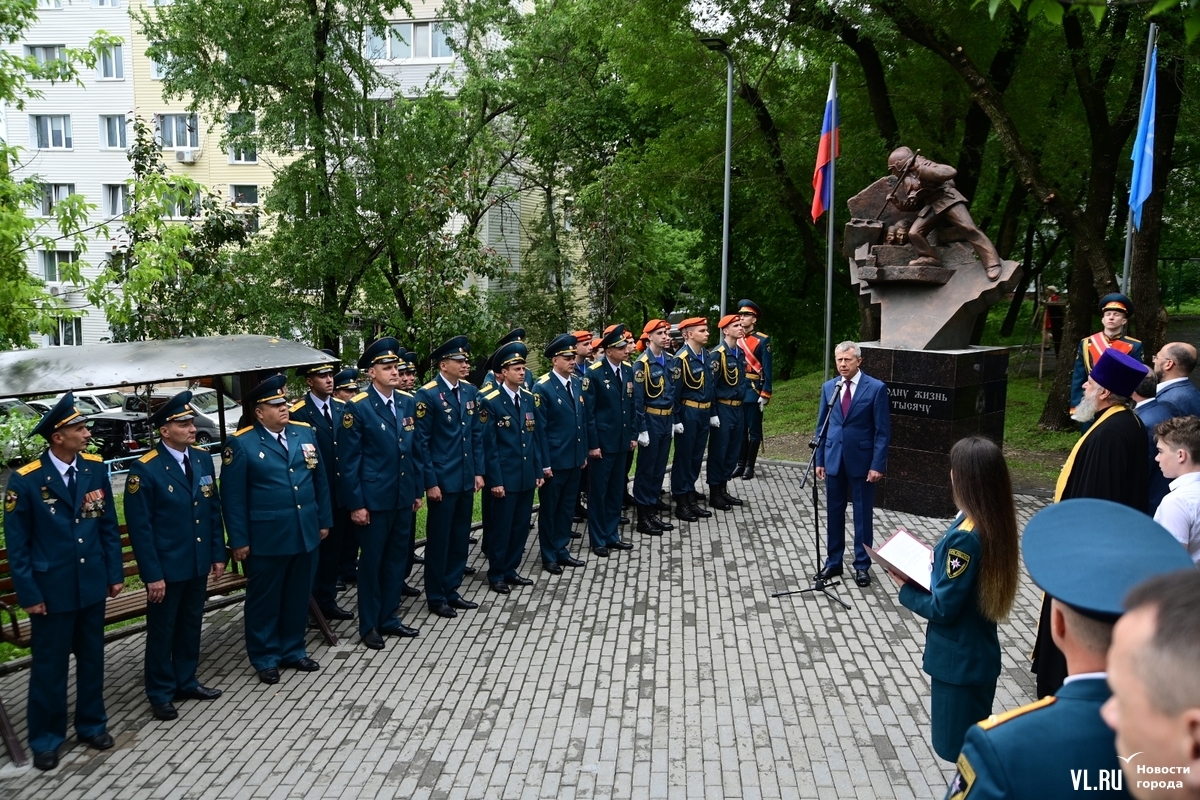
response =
{"points": [[1086, 410]]}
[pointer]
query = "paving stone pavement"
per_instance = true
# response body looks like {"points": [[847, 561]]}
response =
{"points": [[665, 672]]}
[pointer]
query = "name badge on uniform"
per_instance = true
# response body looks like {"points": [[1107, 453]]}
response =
{"points": [[206, 485], [309, 452], [93, 504]]}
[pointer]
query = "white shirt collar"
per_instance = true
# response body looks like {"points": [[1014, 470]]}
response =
{"points": [[1184, 480], [615, 367], [1086, 676], [564, 381], [511, 394], [1171, 382], [384, 397], [1141, 403], [62, 466], [321, 404], [178, 454], [449, 385]]}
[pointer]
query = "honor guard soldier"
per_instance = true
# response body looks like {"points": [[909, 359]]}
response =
{"points": [[64, 555], [491, 372], [694, 418], [450, 437], [345, 384], [275, 495], [656, 374], [513, 462], [614, 410], [756, 347], [1050, 749], [727, 366], [324, 413], [174, 516], [565, 420], [408, 383], [382, 475], [1115, 311]]}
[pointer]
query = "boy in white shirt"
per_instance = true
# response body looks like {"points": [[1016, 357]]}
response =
{"points": [[1178, 441]]}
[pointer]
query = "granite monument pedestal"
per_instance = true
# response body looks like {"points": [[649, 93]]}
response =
{"points": [[937, 397]]}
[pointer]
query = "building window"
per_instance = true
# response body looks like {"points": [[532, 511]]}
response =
{"points": [[53, 262], [400, 40], [49, 3], [111, 64], [69, 334], [106, 3], [244, 194], [112, 131], [158, 69], [417, 40], [240, 125], [53, 193], [186, 207], [52, 131], [44, 54], [375, 46], [179, 130], [116, 199]]}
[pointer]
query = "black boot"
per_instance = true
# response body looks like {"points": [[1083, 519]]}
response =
{"points": [[657, 521], [727, 497], [740, 469], [662, 505], [683, 509], [716, 499], [751, 459], [694, 498], [644, 522]]}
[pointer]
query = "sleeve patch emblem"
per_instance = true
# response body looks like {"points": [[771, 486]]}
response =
{"points": [[347, 420], [964, 779], [956, 563], [422, 409], [10, 501], [133, 484], [227, 456]]}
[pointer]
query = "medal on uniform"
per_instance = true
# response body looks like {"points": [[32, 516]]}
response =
{"points": [[310, 454], [93, 504], [206, 485], [529, 422]]}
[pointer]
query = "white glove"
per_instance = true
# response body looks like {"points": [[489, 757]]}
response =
{"points": [[762, 402], [714, 421], [644, 439], [677, 429]]}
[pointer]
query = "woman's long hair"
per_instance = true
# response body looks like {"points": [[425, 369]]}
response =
{"points": [[983, 491]]}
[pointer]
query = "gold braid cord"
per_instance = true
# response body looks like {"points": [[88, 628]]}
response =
{"points": [[689, 377]]}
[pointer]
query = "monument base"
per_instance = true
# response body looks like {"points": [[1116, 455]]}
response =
{"points": [[938, 397]]}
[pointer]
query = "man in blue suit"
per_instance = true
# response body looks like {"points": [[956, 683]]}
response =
{"points": [[323, 413], [1173, 366], [277, 510], [64, 554], [853, 457], [1151, 412], [513, 460], [174, 517], [614, 409], [565, 419], [381, 483], [450, 436]]}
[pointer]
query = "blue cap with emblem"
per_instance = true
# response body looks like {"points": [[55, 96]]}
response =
{"points": [[346, 379], [63, 415], [407, 361], [614, 338], [1089, 553], [177, 409], [324, 368], [270, 391], [563, 345], [1116, 302], [508, 354], [381, 351], [749, 307], [515, 335], [456, 349]]}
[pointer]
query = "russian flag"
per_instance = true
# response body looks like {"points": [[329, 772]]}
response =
{"points": [[829, 149]]}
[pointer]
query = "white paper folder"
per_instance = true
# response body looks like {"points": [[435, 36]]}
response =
{"points": [[907, 556]]}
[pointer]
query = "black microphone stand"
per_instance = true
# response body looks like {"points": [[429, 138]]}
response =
{"points": [[819, 584]]}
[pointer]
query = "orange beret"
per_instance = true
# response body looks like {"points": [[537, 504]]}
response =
{"points": [[583, 336], [655, 324], [728, 319], [595, 343], [691, 322], [611, 328]]}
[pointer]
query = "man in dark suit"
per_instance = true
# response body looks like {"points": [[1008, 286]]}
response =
{"points": [[565, 418], [64, 554], [512, 454], [381, 485], [174, 517], [1151, 412], [324, 414], [1173, 366], [610, 390], [277, 511], [853, 457], [451, 438]]}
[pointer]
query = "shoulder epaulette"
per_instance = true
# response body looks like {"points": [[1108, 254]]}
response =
{"points": [[243, 430], [30, 467], [297, 407], [761, 335], [297, 422], [997, 719], [967, 524], [670, 355], [544, 378], [595, 365], [403, 393], [526, 391], [1131, 339], [358, 397], [146, 459], [197, 447], [492, 395], [644, 357], [430, 385], [93, 457]]}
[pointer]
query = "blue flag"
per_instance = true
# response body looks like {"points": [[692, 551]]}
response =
{"points": [[1143, 148]]}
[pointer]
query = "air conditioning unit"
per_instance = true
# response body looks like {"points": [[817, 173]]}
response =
{"points": [[185, 156], [55, 291]]}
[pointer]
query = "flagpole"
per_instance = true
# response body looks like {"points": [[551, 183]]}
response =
{"points": [[833, 152], [1150, 42]]}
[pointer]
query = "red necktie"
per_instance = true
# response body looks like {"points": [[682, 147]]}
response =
{"points": [[846, 401]]}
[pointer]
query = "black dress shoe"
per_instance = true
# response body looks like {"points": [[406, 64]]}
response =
{"points": [[500, 587], [739, 470], [46, 761], [627, 501], [662, 505], [101, 741], [621, 544], [575, 535], [553, 568], [403, 631], [600, 551], [340, 586], [464, 605], [624, 520], [336, 612], [571, 561], [166, 712], [577, 517], [518, 580], [199, 693], [418, 559], [410, 591], [269, 675], [862, 577], [303, 665], [350, 578], [469, 571], [828, 572], [373, 640], [443, 611], [472, 540]]}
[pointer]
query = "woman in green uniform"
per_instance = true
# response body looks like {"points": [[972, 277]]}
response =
{"points": [[973, 584]]}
